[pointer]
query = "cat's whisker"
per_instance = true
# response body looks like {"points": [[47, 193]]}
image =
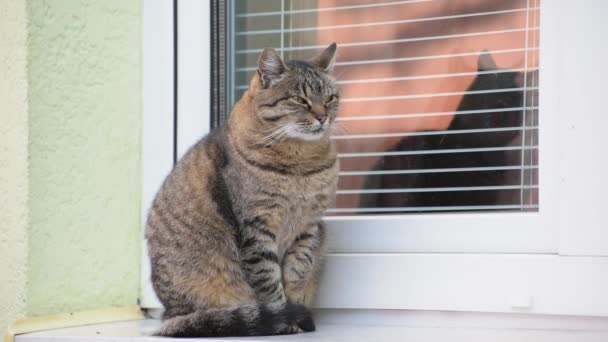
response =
{"points": [[267, 141], [275, 131], [342, 130], [278, 139], [289, 129], [265, 138], [282, 137], [339, 129], [277, 135]]}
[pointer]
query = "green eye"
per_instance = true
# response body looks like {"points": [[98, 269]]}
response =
{"points": [[299, 100]]}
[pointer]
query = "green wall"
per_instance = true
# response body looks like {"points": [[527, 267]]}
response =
{"points": [[13, 160], [85, 131], [70, 174]]}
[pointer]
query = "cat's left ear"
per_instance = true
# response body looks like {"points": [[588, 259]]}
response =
{"points": [[326, 59]]}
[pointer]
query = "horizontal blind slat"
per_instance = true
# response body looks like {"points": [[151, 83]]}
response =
{"points": [[423, 77], [393, 41], [439, 208], [381, 23], [431, 114], [452, 150], [326, 9], [440, 189], [417, 58], [442, 170], [454, 93], [425, 133], [421, 58]]}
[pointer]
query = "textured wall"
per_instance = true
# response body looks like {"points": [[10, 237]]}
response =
{"points": [[13, 160], [85, 118]]}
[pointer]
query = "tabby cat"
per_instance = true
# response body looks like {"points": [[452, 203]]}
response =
{"points": [[234, 234]]}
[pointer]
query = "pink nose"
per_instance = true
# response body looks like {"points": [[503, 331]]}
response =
{"points": [[321, 118], [319, 113]]}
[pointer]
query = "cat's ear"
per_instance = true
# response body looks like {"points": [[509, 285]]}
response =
{"points": [[326, 59], [270, 67], [486, 62]]}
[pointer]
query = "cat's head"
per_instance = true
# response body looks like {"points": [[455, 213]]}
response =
{"points": [[296, 99]]}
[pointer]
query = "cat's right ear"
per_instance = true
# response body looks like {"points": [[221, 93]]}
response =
{"points": [[270, 67], [486, 62]]}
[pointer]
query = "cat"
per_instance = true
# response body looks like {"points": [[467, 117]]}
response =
{"points": [[485, 80], [234, 234]]}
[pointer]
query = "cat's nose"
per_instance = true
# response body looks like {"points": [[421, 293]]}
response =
{"points": [[321, 118], [319, 113]]}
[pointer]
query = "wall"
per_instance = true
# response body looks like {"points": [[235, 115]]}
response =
{"points": [[70, 118], [84, 173], [13, 160]]}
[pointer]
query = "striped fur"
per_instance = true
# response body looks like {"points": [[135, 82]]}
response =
{"points": [[247, 320], [234, 234]]}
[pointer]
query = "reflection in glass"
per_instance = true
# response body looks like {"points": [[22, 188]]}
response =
{"points": [[439, 98]]}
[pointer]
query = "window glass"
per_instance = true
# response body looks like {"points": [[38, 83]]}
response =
{"points": [[439, 98]]}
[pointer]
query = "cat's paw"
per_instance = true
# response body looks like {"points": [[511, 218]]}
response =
{"points": [[307, 324], [305, 320], [290, 330], [301, 317]]}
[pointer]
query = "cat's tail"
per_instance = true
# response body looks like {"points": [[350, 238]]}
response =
{"points": [[248, 320]]}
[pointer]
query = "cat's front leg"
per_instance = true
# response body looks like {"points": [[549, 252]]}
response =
{"points": [[260, 260], [302, 265]]}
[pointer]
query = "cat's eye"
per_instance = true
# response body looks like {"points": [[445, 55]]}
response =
{"points": [[330, 99], [300, 100]]}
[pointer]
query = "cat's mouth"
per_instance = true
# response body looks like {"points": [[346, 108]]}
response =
{"points": [[309, 133], [313, 128], [316, 130]]}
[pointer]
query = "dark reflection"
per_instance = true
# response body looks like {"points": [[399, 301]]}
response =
{"points": [[509, 114]]}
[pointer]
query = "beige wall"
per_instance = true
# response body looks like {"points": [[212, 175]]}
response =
{"points": [[13, 160]]}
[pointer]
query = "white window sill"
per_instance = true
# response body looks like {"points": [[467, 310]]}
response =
{"points": [[370, 325]]}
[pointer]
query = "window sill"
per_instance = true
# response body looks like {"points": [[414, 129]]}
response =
{"points": [[373, 325]]}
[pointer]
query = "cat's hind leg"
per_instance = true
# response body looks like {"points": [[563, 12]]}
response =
{"points": [[226, 305]]}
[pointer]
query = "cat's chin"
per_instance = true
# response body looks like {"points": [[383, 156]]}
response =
{"points": [[308, 136]]}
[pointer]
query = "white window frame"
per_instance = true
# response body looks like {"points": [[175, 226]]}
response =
{"points": [[554, 261]]}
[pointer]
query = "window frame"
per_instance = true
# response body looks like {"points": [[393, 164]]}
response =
{"points": [[519, 253]]}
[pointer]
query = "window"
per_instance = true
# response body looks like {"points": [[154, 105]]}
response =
{"points": [[428, 121], [439, 113], [515, 210]]}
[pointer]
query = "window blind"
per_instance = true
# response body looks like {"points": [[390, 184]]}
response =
{"points": [[439, 98]]}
